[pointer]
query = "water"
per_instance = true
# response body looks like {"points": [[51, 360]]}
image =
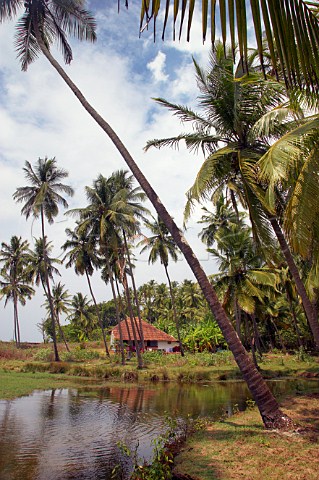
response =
{"points": [[74, 434]]}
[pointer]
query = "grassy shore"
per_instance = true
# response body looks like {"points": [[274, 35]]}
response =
{"points": [[32, 367], [239, 447], [231, 449]]}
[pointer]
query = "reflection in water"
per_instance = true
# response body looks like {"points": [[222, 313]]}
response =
{"points": [[74, 434]]}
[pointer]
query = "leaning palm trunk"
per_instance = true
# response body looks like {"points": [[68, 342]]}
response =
{"points": [[307, 305], [174, 311], [269, 409], [97, 311], [137, 303]]}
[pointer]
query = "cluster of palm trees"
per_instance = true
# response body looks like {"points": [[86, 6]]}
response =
{"points": [[101, 239], [248, 170]]}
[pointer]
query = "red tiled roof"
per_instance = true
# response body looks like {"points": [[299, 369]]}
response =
{"points": [[149, 332]]}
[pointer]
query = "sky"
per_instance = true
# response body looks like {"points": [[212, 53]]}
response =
{"points": [[120, 75]]}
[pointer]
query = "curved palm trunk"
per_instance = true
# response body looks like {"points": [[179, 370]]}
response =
{"points": [[174, 310], [307, 305], [48, 290], [97, 313], [267, 404], [135, 291]]}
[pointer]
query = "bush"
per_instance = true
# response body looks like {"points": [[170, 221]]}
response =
{"points": [[44, 355], [79, 354]]}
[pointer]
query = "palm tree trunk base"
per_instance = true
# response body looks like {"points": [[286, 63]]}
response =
{"points": [[279, 421]]}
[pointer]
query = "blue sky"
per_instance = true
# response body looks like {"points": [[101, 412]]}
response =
{"points": [[39, 116]]}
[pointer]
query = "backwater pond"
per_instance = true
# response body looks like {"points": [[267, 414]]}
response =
{"points": [[75, 434]]}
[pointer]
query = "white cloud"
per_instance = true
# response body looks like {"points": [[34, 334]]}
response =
{"points": [[157, 67], [41, 117]]}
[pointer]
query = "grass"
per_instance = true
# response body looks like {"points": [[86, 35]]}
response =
{"points": [[240, 448], [15, 384], [87, 362]]}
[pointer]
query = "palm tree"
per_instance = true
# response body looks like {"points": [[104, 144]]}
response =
{"points": [[41, 199], [61, 303], [106, 216], [243, 280], [15, 282], [81, 316], [162, 246], [41, 25], [232, 111], [84, 257], [131, 196], [37, 266], [291, 30]]}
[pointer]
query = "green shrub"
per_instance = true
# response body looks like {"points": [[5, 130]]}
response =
{"points": [[79, 354], [44, 355]]}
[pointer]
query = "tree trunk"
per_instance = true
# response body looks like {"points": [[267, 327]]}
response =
{"points": [[307, 305], [256, 334], [174, 311], [237, 312], [16, 320], [61, 332], [117, 312], [134, 290], [130, 309], [97, 313], [269, 409], [294, 318], [48, 290]]}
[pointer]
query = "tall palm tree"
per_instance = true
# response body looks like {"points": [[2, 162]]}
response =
{"points": [[227, 132], [106, 216], [41, 199], [38, 27], [83, 255], [290, 28], [61, 303], [123, 184], [37, 266], [162, 246], [15, 282]]}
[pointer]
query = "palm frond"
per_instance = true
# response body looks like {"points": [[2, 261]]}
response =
{"points": [[291, 29], [9, 9]]}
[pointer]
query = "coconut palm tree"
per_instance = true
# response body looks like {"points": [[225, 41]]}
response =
{"points": [[61, 303], [15, 282], [81, 316], [46, 21], [106, 216], [228, 133], [291, 30], [131, 196], [82, 254], [41, 199], [243, 280], [162, 246], [37, 263]]}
